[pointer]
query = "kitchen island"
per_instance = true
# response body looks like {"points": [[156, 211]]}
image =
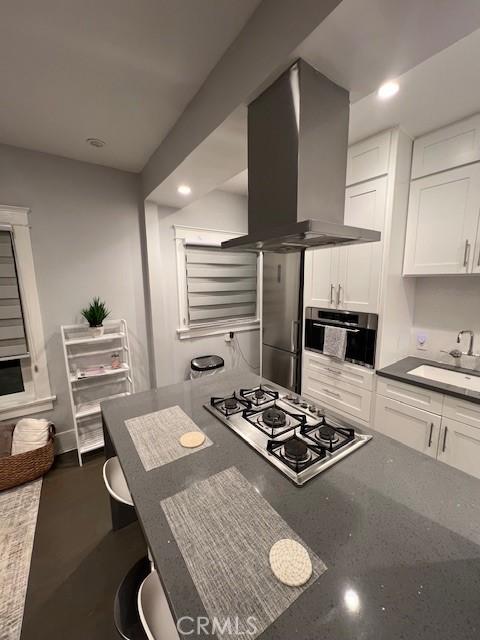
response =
{"points": [[400, 534]]}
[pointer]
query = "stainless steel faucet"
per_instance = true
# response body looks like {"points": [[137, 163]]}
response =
{"points": [[470, 346]]}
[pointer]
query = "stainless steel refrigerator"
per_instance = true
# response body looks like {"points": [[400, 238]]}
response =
{"points": [[282, 318]]}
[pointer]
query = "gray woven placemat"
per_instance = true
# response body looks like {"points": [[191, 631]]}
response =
{"points": [[225, 529], [156, 436]]}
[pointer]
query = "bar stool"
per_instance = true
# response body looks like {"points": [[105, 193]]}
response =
{"points": [[115, 481], [125, 611], [155, 615]]}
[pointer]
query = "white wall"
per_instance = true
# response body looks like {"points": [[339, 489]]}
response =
{"points": [[217, 210], [86, 241], [443, 306]]}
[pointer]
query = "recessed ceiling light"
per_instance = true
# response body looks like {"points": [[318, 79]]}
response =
{"points": [[95, 142], [184, 190], [388, 89]]}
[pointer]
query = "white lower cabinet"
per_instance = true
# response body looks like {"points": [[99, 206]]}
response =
{"points": [[342, 397], [451, 435], [459, 446], [461, 411], [414, 427]]}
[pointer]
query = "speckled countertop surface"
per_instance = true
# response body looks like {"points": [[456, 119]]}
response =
{"points": [[399, 371], [398, 531]]}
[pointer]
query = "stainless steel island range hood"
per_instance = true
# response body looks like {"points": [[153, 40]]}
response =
{"points": [[297, 159]]}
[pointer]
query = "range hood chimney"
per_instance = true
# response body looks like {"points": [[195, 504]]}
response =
{"points": [[297, 159]]}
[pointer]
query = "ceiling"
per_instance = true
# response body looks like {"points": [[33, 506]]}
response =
{"points": [[237, 185], [221, 155], [440, 90], [362, 44], [119, 70], [432, 47]]}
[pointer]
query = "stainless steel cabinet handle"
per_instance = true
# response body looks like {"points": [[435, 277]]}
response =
{"points": [[430, 436], [478, 261], [332, 393], [333, 371], [466, 254], [332, 289], [338, 294], [444, 440]]}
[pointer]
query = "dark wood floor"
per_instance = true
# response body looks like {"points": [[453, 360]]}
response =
{"points": [[77, 561]]}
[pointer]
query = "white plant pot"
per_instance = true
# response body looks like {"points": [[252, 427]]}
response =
{"points": [[96, 332]]}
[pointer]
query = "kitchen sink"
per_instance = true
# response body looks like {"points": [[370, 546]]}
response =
{"points": [[455, 378]]}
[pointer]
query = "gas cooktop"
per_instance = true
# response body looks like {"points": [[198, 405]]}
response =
{"points": [[292, 434]]}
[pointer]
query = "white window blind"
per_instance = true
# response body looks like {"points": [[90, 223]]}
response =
{"points": [[13, 341], [221, 285]]}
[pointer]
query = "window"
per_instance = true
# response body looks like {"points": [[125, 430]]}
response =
{"points": [[24, 384], [217, 289]]}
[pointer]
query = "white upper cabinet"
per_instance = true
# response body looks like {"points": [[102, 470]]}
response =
{"points": [[359, 266], [349, 277], [368, 159], [452, 146], [320, 279], [442, 222]]}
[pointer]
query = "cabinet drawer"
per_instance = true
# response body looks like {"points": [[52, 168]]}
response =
{"points": [[446, 148], [461, 410], [410, 394], [414, 427], [369, 158], [344, 371], [459, 446], [341, 396]]}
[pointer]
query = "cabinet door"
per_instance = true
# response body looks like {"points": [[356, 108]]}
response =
{"points": [[369, 158], [445, 148], [442, 222], [415, 428], [321, 277], [459, 446], [360, 265], [476, 253]]}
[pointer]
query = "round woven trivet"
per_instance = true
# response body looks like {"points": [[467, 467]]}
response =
{"points": [[290, 562], [192, 439]]}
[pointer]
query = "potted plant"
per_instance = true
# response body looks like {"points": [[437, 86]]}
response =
{"points": [[95, 314]]}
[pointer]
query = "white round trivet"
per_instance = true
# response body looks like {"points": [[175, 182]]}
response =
{"points": [[290, 562], [192, 439]]}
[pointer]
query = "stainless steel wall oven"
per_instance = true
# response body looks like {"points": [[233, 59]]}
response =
{"points": [[361, 332]]}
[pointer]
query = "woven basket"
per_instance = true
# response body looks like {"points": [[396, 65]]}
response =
{"points": [[24, 467]]}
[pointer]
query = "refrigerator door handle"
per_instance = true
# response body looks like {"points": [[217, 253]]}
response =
{"points": [[294, 335]]}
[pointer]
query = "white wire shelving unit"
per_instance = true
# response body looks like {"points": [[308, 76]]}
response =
{"points": [[82, 351]]}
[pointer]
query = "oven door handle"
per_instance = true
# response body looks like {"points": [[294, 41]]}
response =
{"points": [[318, 324], [339, 322]]}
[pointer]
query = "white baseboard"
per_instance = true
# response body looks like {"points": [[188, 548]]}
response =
{"points": [[65, 441]]}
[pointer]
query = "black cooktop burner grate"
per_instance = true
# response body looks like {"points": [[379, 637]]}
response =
{"points": [[296, 453], [230, 405], [259, 396], [328, 436], [260, 418]]}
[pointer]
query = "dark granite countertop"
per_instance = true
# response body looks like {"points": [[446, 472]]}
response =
{"points": [[399, 371], [398, 531]]}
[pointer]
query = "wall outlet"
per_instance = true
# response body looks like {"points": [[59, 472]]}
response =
{"points": [[422, 341]]}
